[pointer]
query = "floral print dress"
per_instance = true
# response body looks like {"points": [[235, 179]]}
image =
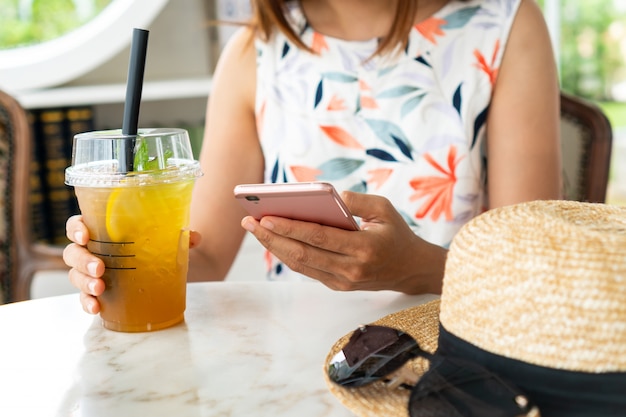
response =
{"points": [[409, 127]]}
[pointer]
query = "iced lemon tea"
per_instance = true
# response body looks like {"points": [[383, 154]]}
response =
{"points": [[140, 234], [137, 222]]}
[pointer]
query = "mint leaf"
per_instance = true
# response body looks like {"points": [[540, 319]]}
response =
{"points": [[142, 161], [141, 155], [153, 164]]}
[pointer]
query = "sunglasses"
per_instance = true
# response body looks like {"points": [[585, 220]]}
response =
{"points": [[451, 387]]}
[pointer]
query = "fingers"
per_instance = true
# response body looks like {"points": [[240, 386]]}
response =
{"points": [[313, 250], [85, 283], [194, 239], [384, 254], [330, 239], [86, 268], [89, 287], [90, 304], [76, 230], [79, 258], [76, 255], [370, 208]]}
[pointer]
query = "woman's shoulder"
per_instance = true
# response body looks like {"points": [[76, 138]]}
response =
{"points": [[236, 66], [529, 15], [239, 53], [529, 33], [240, 42]]}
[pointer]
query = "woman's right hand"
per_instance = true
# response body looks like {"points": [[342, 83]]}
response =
{"points": [[86, 269]]}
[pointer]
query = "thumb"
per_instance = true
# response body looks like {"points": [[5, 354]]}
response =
{"points": [[370, 208]]}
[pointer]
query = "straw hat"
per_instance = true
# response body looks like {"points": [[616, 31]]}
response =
{"points": [[536, 292]]}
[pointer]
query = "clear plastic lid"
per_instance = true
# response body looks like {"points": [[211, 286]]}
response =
{"points": [[109, 158]]}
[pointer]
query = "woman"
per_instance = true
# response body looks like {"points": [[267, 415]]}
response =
{"points": [[392, 102]]}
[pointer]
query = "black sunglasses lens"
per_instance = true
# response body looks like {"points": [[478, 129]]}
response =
{"points": [[456, 388], [372, 353]]}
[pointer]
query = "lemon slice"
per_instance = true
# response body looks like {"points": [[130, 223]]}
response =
{"points": [[123, 209], [136, 211], [131, 211]]}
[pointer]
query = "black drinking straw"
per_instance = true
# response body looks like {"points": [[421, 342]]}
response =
{"points": [[134, 84]]}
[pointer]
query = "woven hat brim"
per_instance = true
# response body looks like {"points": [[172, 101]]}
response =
{"points": [[377, 399]]}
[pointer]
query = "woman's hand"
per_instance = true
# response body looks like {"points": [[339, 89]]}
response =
{"points": [[384, 255], [86, 269]]}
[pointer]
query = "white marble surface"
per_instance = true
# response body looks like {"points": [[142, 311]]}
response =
{"points": [[245, 349]]}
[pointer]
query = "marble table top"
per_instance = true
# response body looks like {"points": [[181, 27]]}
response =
{"points": [[245, 349]]}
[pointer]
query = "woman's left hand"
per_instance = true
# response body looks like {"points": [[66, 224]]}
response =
{"points": [[384, 255]]}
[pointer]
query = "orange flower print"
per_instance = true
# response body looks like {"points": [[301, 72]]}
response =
{"points": [[366, 100], [336, 103], [437, 190], [431, 27], [304, 174], [488, 68], [267, 257], [379, 176], [319, 43], [341, 137]]}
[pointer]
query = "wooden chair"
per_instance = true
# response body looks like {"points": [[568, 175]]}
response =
{"points": [[586, 138], [20, 256]]}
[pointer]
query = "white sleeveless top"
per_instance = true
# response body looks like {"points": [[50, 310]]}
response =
{"points": [[410, 128]]}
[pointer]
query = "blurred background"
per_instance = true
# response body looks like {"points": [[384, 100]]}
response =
{"points": [[589, 38]]}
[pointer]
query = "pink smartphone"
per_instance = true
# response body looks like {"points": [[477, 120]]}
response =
{"points": [[316, 202]]}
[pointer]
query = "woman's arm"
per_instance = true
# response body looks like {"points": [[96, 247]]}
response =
{"points": [[230, 155], [523, 143]]}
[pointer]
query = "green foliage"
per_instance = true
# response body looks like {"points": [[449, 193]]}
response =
{"points": [[593, 36], [590, 50], [42, 21], [615, 111]]}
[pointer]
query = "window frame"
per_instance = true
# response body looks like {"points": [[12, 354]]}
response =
{"points": [[74, 54]]}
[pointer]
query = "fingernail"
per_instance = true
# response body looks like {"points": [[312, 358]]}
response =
{"points": [[248, 225], [91, 307], [91, 268], [267, 224], [92, 287], [78, 237]]}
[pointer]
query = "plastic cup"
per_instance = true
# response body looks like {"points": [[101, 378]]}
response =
{"points": [[137, 221]]}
